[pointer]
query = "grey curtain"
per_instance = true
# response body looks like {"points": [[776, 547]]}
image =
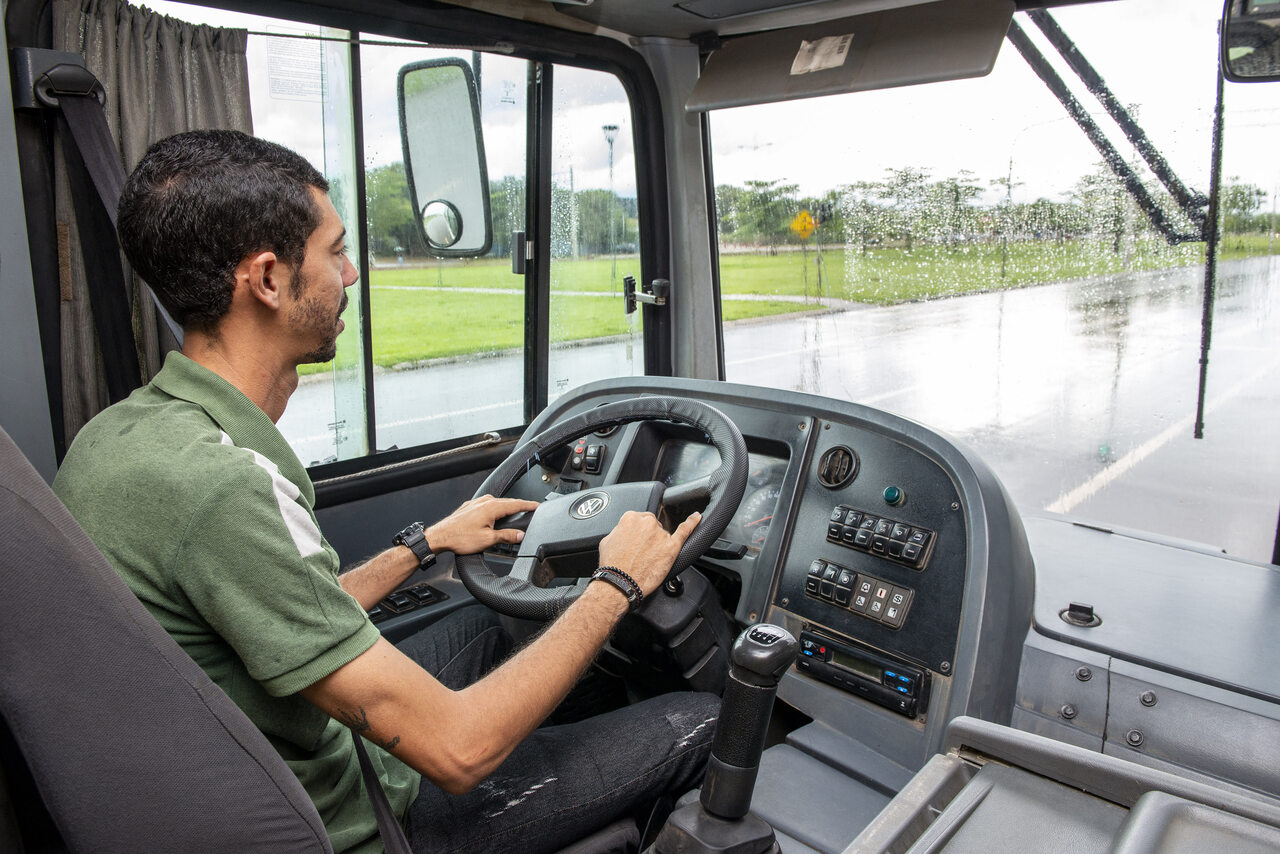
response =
{"points": [[161, 76]]}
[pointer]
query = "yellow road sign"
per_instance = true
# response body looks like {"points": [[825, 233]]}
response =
{"points": [[803, 225]]}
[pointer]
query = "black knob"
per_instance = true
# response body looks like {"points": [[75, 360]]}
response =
{"points": [[764, 652]]}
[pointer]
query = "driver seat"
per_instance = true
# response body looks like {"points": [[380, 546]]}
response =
{"points": [[109, 725], [111, 738]]}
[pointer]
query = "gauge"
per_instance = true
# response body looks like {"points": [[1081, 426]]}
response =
{"points": [[755, 514], [761, 471], [681, 462]]}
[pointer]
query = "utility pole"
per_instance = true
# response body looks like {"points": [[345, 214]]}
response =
{"points": [[610, 134]]}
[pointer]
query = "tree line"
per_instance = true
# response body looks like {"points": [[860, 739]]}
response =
{"points": [[584, 222], [909, 207], [905, 208]]}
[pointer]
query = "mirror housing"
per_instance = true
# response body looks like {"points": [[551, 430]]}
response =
{"points": [[444, 158], [1250, 46]]}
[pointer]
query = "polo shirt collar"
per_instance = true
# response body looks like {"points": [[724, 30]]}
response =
{"points": [[238, 416]]}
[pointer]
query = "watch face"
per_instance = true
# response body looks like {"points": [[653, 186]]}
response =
{"points": [[410, 535]]}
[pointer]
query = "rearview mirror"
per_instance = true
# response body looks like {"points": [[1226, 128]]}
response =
{"points": [[1251, 40], [444, 157]]}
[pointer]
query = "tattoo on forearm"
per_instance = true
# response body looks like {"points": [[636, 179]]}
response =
{"points": [[359, 721]]}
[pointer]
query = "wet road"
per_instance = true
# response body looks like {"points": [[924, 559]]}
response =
{"points": [[1080, 395]]}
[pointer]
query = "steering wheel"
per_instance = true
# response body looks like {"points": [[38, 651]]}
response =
{"points": [[576, 522]]}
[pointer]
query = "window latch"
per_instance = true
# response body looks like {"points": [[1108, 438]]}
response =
{"points": [[521, 253], [650, 294]]}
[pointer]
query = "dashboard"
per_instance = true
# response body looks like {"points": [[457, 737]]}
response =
{"points": [[848, 506], [876, 541]]}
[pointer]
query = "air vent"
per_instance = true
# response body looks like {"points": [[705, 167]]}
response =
{"points": [[837, 467]]}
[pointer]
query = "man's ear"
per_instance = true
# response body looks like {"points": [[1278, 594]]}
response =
{"points": [[263, 278]]}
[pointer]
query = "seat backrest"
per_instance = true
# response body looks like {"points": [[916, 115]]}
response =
{"points": [[131, 746]]}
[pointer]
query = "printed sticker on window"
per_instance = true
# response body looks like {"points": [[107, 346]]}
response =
{"points": [[828, 52]]}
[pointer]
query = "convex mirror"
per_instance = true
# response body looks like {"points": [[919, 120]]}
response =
{"points": [[1251, 40], [444, 156]]}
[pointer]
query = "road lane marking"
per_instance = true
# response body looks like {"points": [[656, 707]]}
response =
{"points": [[420, 419], [434, 416], [767, 356], [1070, 500], [867, 401]]}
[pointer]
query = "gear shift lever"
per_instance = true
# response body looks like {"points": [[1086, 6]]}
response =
{"points": [[721, 820]]}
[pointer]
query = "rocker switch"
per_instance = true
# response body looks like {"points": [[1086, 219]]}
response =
{"points": [[593, 461]]}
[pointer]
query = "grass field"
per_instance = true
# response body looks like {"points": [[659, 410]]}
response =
{"points": [[413, 320]]}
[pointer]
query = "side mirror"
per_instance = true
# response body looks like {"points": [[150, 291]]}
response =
{"points": [[1251, 40], [444, 157]]}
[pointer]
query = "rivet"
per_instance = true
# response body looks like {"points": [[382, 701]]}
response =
{"points": [[1084, 674], [1147, 698], [826, 426], [800, 426], [945, 667], [546, 478], [1068, 711], [955, 505], [1134, 738]]}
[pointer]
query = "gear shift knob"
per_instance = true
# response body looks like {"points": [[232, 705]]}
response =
{"points": [[760, 656], [765, 651]]}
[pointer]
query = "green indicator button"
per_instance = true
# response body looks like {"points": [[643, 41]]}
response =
{"points": [[893, 496]]}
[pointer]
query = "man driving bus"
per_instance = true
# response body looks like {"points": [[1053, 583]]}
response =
{"points": [[200, 504]]}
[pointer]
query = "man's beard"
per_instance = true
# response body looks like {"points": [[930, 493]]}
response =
{"points": [[311, 314]]}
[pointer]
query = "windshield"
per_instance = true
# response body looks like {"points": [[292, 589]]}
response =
{"points": [[959, 254]]}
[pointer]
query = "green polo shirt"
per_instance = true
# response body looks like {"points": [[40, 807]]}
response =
{"points": [[201, 505]]}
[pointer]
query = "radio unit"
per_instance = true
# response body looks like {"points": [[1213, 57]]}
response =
{"points": [[901, 688]]}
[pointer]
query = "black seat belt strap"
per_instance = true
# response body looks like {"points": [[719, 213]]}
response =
{"points": [[108, 293], [88, 123], [393, 838], [77, 93]]}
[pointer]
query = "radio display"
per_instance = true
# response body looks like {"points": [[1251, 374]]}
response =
{"points": [[858, 666]]}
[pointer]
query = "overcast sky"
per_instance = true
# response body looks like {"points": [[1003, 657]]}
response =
{"points": [[1160, 55], [1157, 55]]}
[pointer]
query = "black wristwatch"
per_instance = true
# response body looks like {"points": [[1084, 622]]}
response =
{"points": [[415, 539]]}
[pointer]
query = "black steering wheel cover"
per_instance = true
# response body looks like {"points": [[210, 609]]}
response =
{"points": [[523, 600]]}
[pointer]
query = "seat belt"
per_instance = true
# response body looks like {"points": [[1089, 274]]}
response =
{"points": [[393, 838], [108, 292], [79, 96]]}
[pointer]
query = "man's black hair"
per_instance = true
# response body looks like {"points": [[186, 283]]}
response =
{"points": [[199, 202]]}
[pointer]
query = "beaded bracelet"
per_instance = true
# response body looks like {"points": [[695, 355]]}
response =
{"points": [[623, 582]]}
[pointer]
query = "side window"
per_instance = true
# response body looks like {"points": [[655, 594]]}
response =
{"points": [[440, 351], [595, 234], [447, 333]]}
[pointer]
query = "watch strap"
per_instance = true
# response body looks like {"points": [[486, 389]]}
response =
{"points": [[414, 538]]}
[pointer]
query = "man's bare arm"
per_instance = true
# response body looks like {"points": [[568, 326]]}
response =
{"points": [[457, 738], [467, 530]]}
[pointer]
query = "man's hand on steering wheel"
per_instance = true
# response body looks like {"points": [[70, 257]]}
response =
{"points": [[575, 522], [469, 529], [639, 546]]}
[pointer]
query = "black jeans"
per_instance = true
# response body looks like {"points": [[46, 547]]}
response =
{"points": [[562, 782]]}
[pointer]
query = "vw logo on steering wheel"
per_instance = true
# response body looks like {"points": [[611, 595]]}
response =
{"points": [[589, 505]]}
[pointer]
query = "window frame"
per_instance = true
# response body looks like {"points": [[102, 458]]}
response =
{"points": [[446, 26]]}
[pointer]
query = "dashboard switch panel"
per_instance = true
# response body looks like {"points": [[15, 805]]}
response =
{"points": [[881, 536], [863, 594]]}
